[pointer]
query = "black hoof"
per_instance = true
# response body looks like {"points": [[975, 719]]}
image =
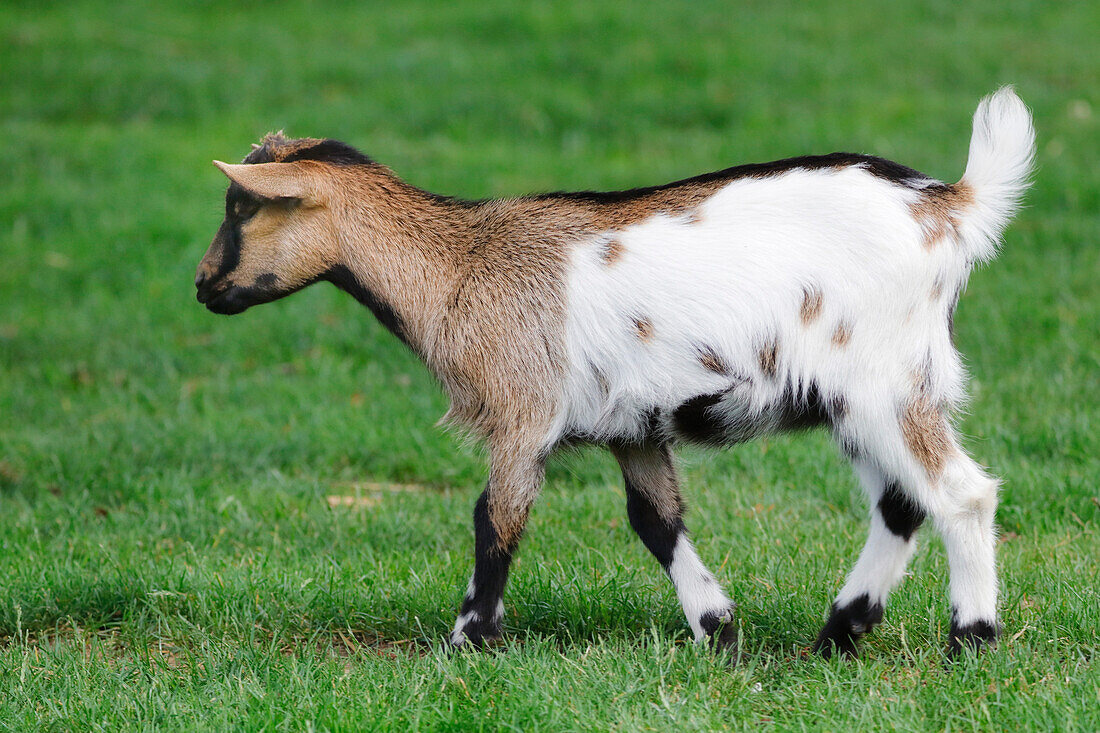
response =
{"points": [[721, 630], [974, 636], [476, 635], [845, 625]]}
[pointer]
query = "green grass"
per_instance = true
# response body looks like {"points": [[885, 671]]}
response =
{"points": [[168, 556]]}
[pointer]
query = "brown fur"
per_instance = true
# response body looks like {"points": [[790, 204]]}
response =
{"points": [[649, 469], [515, 478], [479, 288], [292, 243], [769, 358], [842, 335], [926, 433], [644, 328], [712, 361], [281, 147], [937, 288], [811, 305], [604, 215], [937, 211], [612, 251]]}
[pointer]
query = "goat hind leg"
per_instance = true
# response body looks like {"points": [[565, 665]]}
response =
{"points": [[964, 517], [655, 510], [921, 452]]}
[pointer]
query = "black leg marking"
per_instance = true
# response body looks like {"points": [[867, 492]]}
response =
{"points": [[975, 636], [491, 563], [901, 515], [659, 535], [845, 625]]}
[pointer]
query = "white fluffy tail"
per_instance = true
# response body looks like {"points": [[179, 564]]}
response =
{"points": [[998, 170]]}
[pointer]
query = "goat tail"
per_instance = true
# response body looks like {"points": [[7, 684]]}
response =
{"points": [[998, 171]]}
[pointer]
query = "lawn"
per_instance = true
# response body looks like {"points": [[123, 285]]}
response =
{"points": [[252, 523]]}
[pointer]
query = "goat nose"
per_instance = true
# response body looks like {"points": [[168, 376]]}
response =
{"points": [[200, 279]]}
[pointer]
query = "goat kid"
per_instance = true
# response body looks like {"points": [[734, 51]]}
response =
{"points": [[777, 296]]}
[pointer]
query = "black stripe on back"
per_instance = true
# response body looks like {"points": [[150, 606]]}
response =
{"points": [[887, 170]]}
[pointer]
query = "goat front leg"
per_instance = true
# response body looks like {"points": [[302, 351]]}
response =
{"points": [[657, 515], [499, 518]]}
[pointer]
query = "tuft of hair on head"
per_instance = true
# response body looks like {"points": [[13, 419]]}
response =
{"points": [[276, 147]]}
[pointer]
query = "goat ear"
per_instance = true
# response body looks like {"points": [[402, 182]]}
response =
{"points": [[273, 180]]}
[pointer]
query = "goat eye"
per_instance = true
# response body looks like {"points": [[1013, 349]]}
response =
{"points": [[245, 210]]}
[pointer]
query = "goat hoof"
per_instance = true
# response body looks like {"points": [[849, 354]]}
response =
{"points": [[476, 636], [721, 631], [829, 644], [846, 624], [974, 637], [837, 637]]}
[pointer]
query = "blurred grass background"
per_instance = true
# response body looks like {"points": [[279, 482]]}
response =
{"points": [[168, 553]]}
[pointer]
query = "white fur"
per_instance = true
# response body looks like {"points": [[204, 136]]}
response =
{"points": [[880, 566], [963, 514], [696, 587], [1002, 151], [458, 634]]}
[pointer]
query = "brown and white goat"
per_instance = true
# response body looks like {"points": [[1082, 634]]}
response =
{"points": [[777, 296]]}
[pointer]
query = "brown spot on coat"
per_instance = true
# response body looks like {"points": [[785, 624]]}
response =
{"points": [[769, 358], [921, 376], [644, 328], [937, 288], [601, 379], [712, 361], [842, 335], [937, 211], [811, 304], [925, 430], [612, 251]]}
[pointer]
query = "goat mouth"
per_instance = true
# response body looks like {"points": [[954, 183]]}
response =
{"points": [[225, 302]]}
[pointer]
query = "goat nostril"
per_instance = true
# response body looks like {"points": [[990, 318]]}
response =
{"points": [[200, 279]]}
